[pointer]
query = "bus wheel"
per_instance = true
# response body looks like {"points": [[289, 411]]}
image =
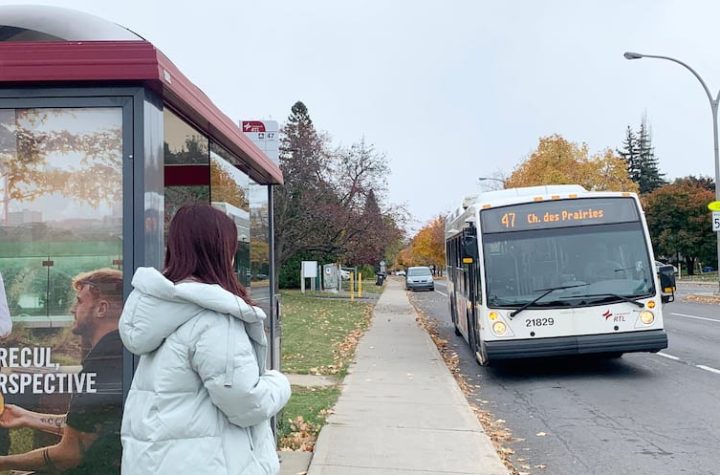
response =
{"points": [[481, 356], [477, 349]]}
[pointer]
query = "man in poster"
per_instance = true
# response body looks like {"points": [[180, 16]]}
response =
{"points": [[90, 431]]}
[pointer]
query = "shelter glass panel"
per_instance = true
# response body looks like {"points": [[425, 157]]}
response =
{"points": [[260, 245], [229, 193], [187, 166], [61, 258]]}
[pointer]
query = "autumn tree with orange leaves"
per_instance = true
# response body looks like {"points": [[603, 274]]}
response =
{"points": [[427, 247], [557, 161], [28, 143]]}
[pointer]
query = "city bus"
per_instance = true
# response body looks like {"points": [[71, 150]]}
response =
{"points": [[553, 271]]}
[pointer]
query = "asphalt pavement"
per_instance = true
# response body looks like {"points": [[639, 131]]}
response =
{"points": [[641, 414]]}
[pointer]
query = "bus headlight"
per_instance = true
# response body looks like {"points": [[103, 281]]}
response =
{"points": [[499, 328], [647, 317]]}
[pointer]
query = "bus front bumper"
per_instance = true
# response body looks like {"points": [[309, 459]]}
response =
{"points": [[649, 340]]}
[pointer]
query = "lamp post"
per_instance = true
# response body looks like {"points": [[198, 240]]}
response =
{"points": [[714, 109]]}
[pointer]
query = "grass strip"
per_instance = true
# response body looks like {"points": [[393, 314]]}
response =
{"points": [[319, 334], [304, 416]]}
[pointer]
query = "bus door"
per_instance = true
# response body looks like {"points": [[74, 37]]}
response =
{"points": [[467, 319]]}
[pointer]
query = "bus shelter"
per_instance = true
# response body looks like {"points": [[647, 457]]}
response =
{"points": [[102, 138]]}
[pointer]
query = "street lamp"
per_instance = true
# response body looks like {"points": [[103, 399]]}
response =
{"points": [[714, 109]]}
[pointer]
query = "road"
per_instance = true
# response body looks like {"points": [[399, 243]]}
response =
{"points": [[640, 414]]}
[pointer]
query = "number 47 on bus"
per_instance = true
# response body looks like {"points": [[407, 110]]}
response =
{"points": [[508, 220]]}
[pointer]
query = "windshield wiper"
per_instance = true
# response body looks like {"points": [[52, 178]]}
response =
{"points": [[545, 292], [495, 300], [621, 297]]}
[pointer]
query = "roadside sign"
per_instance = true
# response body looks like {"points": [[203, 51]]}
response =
{"points": [[714, 206], [265, 134], [716, 221]]}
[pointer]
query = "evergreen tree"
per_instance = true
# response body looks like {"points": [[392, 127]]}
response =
{"points": [[304, 161], [630, 154], [330, 205], [649, 176], [303, 152]]}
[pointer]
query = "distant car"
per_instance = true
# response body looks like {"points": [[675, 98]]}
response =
{"points": [[344, 274], [419, 278], [708, 269], [400, 272]]}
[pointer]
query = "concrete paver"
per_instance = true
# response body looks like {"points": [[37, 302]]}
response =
{"points": [[401, 411], [308, 380], [294, 463]]}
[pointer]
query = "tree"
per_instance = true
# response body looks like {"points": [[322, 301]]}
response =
{"points": [[705, 182], [361, 225], [648, 176], [427, 247], [679, 222], [369, 247], [630, 154], [224, 188], [557, 161], [25, 145], [330, 207], [305, 162]]}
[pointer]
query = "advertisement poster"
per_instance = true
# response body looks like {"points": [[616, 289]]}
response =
{"points": [[61, 264]]}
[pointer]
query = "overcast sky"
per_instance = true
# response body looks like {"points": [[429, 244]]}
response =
{"points": [[449, 91]]}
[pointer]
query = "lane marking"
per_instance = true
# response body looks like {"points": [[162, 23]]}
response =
{"points": [[441, 293], [698, 366], [708, 368], [441, 282], [695, 317]]}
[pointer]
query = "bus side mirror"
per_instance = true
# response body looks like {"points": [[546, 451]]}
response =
{"points": [[469, 249]]}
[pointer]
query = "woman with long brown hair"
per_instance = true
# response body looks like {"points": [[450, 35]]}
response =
{"points": [[201, 399]]}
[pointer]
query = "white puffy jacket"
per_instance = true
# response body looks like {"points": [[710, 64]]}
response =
{"points": [[201, 399]]}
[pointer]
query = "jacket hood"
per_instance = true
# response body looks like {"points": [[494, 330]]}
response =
{"points": [[163, 306]]}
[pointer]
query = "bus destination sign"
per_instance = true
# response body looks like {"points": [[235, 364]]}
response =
{"points": [[558, 213]]}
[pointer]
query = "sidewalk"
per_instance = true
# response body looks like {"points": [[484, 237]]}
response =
{"points": [[401, 411]]}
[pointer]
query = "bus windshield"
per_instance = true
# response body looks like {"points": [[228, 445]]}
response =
{"points": [[599, 264]]}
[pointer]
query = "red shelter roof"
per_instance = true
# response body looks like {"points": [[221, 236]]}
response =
{"points": [[93, 63]]}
